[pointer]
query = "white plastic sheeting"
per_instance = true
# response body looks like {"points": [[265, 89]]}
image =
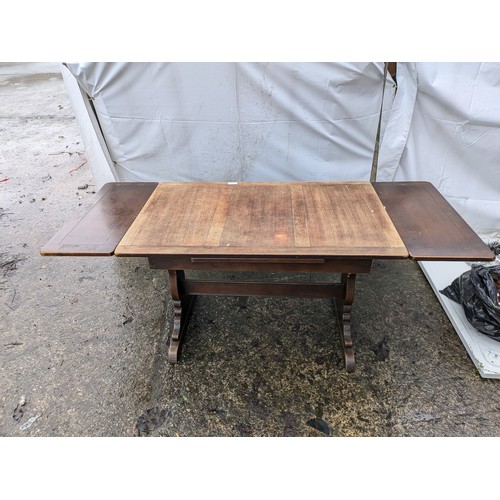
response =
{"points": [[445, 128], [298, 121], [96, 150], [236, 121]]}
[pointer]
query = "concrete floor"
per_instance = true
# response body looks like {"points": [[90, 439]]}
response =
{"points": [[83, 339]]}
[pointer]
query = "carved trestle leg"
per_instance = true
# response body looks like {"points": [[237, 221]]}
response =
{"points": [[344, 320], [182, 308]]}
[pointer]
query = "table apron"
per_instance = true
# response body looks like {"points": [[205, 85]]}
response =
{"points": [[270, 264]]}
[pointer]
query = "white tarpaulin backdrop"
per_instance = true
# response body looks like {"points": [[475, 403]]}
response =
{"points": [[296, 121], [445, 128], [236, 121]]}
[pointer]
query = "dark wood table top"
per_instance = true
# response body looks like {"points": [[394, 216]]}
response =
{"points": [[101, 226], [429, 226]]}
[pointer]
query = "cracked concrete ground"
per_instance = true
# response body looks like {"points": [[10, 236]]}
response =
{"points": [[83, 340]]}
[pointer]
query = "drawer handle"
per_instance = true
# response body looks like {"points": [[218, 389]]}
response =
{"points": [[260, 260]]}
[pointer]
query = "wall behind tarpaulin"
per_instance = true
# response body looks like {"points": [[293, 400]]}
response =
{"points": [[445, 128], [234, 121]]}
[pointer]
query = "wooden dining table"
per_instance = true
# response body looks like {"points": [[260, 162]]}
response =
{"points": [[337, 228]]}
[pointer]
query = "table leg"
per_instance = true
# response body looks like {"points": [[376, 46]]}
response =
{"points": [[343, 312], [182, 309]]}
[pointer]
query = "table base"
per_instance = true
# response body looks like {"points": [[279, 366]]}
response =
{"points": [[183, 291]]}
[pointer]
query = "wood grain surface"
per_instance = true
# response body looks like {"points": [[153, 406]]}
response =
{"points": [[429, 226], [99, 228], [336, 219]]}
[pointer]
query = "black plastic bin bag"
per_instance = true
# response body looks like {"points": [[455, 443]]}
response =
{"points": [[477, 291]]}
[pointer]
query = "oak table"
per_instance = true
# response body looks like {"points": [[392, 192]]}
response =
{"points": [[313, 227]]}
